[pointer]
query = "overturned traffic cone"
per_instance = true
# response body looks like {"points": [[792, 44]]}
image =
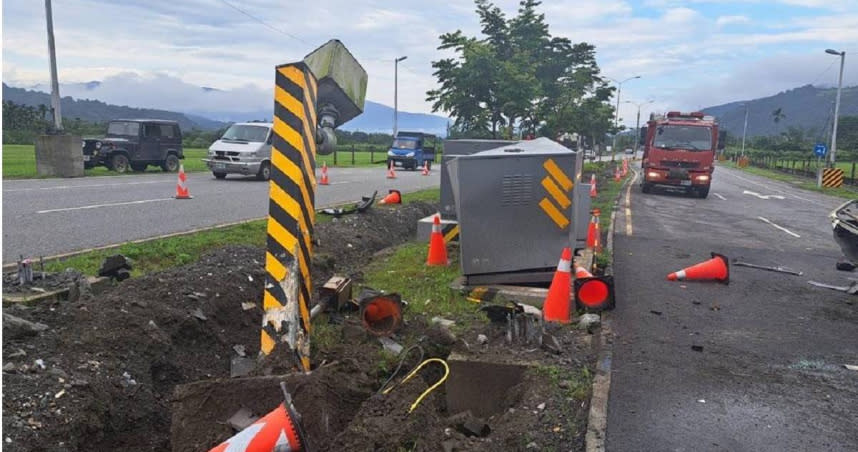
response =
{"points": [[425, 168], [391, 174], [594, 237], [593, 192], [557, 304], [324, 179], [437, 249], [278, 430], [581, 272], [393, 197], [717, 269], [181, 187]]}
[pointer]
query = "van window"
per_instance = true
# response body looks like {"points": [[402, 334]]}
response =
{"points": [[167, 131], [246, 133]]}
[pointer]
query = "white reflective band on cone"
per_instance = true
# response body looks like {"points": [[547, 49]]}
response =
{"points": [[680, 275], [564, 266]]}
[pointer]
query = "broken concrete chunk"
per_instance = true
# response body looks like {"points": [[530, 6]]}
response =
{"points": [[16, 327], [239, 349], [198, 313], [242, 419], [443, 322], [239, 367], [550, 343], [482, 339], [247, 305], [589, 322], [390, 345]]}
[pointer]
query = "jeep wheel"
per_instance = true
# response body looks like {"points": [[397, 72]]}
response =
{"points": [[170, 164], [219, 175], [138, 167], [119, 163], [264, 171]]}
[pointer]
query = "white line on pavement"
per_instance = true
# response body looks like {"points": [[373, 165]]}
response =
{"points": [[66, 187], [719, 196], [766, 220], [95, 206], [769, 187], [753, 193]]}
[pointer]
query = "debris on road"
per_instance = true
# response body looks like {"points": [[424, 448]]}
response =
{"points": [[851, 289], [697, 348], [850, 367], [655, 312], [777, 269], [845, 266]]}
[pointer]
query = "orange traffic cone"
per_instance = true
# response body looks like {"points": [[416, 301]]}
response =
{"points": [[594, 238], [391, 174], [393, 197], [717, 268], [581, 272], [425, 168], [324, 179], [276, 431], [617, 175], [557, 304], [437, 249], [182, 189], [593, 192]]}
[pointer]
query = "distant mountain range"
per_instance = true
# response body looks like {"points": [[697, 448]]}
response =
{"points": [[807, 107], [200, 108]]}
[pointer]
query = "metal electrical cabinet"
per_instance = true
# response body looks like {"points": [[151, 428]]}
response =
{"points": [[453, 149], [517, 208]]}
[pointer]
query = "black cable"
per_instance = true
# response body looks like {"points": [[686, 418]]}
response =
{"points": [[262, 21], [404, 354]]}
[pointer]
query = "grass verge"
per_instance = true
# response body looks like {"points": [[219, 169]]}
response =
{"points": [[19, 162], [168, 252], [797, 181], [608, 190]]}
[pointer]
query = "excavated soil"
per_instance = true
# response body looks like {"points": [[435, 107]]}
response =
{"points": [[145, 365]]}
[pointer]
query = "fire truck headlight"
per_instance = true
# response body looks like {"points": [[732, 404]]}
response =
{"points": [[653, 175], [703, 177]]}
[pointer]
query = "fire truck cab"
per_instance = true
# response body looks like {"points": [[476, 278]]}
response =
{"points": [[679, 152]]}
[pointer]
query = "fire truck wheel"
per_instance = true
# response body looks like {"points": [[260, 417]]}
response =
{"points": [[703, 192], [646, 188]]}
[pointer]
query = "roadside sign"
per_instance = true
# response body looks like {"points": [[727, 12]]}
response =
{"points": [[820, 150]]}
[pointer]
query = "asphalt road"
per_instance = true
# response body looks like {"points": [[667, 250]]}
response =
{"points": [[54, 216], [770, 376]]}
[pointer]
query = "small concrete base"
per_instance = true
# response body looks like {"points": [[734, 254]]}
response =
{"points": [[59, 156], [424, 229], [481, 387], [96, 283]]}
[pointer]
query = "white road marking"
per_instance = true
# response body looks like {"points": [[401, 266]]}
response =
{"points": [[95, 206], [766, 220], [769, 187], [719, 196], [629, 228], [753, 193], [67, 187]]}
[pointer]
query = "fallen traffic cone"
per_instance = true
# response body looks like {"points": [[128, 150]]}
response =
{"points": [[181, 189], [581, 272], [437, 249], [278, 430], [425, 168], [393, 197], [717, 268], [593, 192], [391, 174], [594, 238], [557, 304], [324, 179]]}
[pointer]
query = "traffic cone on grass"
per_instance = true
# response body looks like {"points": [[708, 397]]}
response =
{"points": [[393, 197], [593, 192], [182, 189], [324, 179], [557, 304], [425, 168], [717, 269], [391, 174], [437, 249], [594, 238], [617, 176]]}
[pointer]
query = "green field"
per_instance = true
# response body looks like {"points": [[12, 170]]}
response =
{"points": [[798, 181], [19, 162]]}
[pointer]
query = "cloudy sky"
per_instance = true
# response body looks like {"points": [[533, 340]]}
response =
{"points": [[689, 53]]}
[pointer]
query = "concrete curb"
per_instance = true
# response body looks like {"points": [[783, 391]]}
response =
{"points": [[597, 419]]}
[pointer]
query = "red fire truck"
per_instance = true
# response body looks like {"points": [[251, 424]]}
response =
{"points": [[679, 151]]}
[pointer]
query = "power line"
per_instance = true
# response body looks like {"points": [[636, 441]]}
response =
{"points": [[262, 21], [823, 72]]}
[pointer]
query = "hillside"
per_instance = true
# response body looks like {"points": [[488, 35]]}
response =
{"points": [[807, 107], [98, 111]]}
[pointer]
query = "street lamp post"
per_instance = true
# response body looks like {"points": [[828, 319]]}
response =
{"points": [[836, 103], [617, 112], [396, 94], [744, 130], [638, 123]]}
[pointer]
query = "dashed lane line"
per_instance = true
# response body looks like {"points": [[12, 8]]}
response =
{"points": [[113, 204], [766, 220], [719, 196]]}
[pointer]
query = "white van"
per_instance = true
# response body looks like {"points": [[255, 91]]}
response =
{"points": [[245, 148]]}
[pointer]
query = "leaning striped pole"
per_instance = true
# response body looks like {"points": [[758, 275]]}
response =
{"points": [[291, 217]]}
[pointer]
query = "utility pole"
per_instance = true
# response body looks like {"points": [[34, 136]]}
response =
{"points": [[396, 94], [617, 113], [638, 122], [55, 84], [836, 103], [745, 130]]}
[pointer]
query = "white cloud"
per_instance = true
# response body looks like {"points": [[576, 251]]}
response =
{"points": [[730, 20]]}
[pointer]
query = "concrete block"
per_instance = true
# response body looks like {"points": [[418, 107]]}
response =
{"points": [[59, 156], [481, 386]]}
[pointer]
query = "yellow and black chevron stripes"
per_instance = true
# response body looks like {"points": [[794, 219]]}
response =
{"points": [[450, 232], [557, 185], [832, 177], [291, 202]]}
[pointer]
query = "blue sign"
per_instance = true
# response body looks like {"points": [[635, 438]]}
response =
{"points": [[820, 150]]}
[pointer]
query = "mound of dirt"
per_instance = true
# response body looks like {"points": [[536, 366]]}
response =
{"points": [[102, 376]]}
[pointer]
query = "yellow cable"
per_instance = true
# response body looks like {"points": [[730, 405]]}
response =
{"points": [[431, 388]]}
